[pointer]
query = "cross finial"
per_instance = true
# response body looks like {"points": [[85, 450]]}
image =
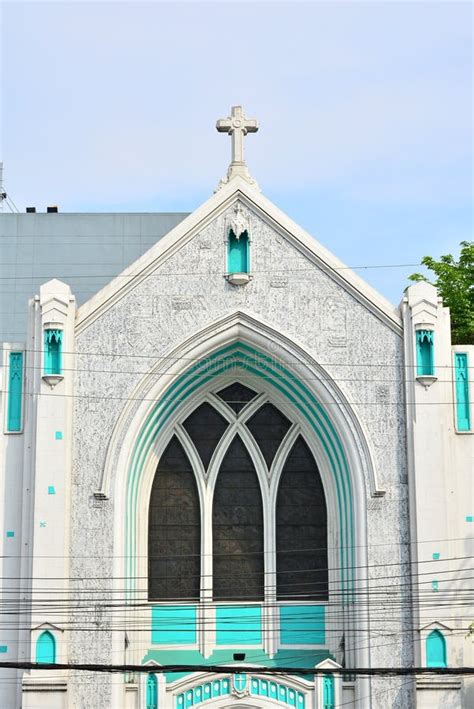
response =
{"points": [[237, 126]]}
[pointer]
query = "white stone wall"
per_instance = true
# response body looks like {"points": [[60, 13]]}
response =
{"points": [[288, 292]]}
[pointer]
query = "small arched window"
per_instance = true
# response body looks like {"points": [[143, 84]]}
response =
{"points": [[436, 650], [46, 648], [328, 692], [174, 532], [301, 529], [425, 352], [237, 524], [151, 692], [53, 340], [238, 254]]}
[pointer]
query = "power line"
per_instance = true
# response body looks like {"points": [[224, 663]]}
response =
{"points": [[239, 669]]}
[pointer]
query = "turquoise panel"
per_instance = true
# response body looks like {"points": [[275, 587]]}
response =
{"points": [[151, 692], [463, 414], [53, 351], [425, 352], [258, 364], [302, 625], [15, 391], [329, 700], [238, 253], [283, 658], [10, 534], [436, 650], [46, 648], [58, 435], [173, 625], [239, 625], [3, 648]]}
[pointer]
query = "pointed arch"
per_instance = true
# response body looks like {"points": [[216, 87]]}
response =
{"points": [[46, 648], [237, 525], [151, 692], [174, 528], [301, 528], [436, 649]]}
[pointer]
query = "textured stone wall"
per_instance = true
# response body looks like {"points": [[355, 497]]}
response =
{"points": [[185, 294]]}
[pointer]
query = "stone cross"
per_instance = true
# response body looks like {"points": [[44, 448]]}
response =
{"points": [[237, 126]]}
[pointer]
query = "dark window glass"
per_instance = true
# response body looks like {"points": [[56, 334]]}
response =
{"points": [[237, 520], [268, 426], [236, 396], [205, 427], [174, 533], [301, 529]]}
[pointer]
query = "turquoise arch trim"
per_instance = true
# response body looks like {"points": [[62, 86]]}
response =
{"points": [[241, 356]]}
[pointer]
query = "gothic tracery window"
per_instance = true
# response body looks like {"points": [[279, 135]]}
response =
{"points": [[238, 470]]}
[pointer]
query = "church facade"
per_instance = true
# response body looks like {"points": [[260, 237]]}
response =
{"points": [[236, 454]]}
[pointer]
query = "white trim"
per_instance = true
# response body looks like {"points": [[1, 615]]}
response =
{"points": [[236, 190]]}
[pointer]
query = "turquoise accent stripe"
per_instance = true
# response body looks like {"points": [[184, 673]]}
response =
{"points": [[463, 414], [260, 365], [238, 625], [15, 392], [173, 625], [302, 625]]}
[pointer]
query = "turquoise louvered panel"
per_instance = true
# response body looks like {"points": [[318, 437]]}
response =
{"points": [[302, 625], [239, 625], [15, 392], [463, 416], [173, 625]]}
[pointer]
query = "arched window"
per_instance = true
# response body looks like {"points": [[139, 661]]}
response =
{"points": [[53, 351], [425, 352], [151, 692], [436, 650], [238, 260], [174, 534], [46, 647], [237, 523], [328, 692], [301, 529]]}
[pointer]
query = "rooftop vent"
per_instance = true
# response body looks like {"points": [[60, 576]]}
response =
{"points": [[52, 210], [30, 210]]}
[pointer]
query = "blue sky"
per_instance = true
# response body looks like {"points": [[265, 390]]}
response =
{"points": [[365, 113]]}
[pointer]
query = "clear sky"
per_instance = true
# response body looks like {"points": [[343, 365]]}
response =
{"points": [[365, 113]]}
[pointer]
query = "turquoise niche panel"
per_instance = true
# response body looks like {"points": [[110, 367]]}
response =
{"points": [[329, 699], [173, 625], [46, 648], [238, 253], [302, 625], [15, 392], [151, 692], [53, 340], [463, 414], [436, 650], [425, 352], [203, 693], [277, 691], [238, 625]]}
